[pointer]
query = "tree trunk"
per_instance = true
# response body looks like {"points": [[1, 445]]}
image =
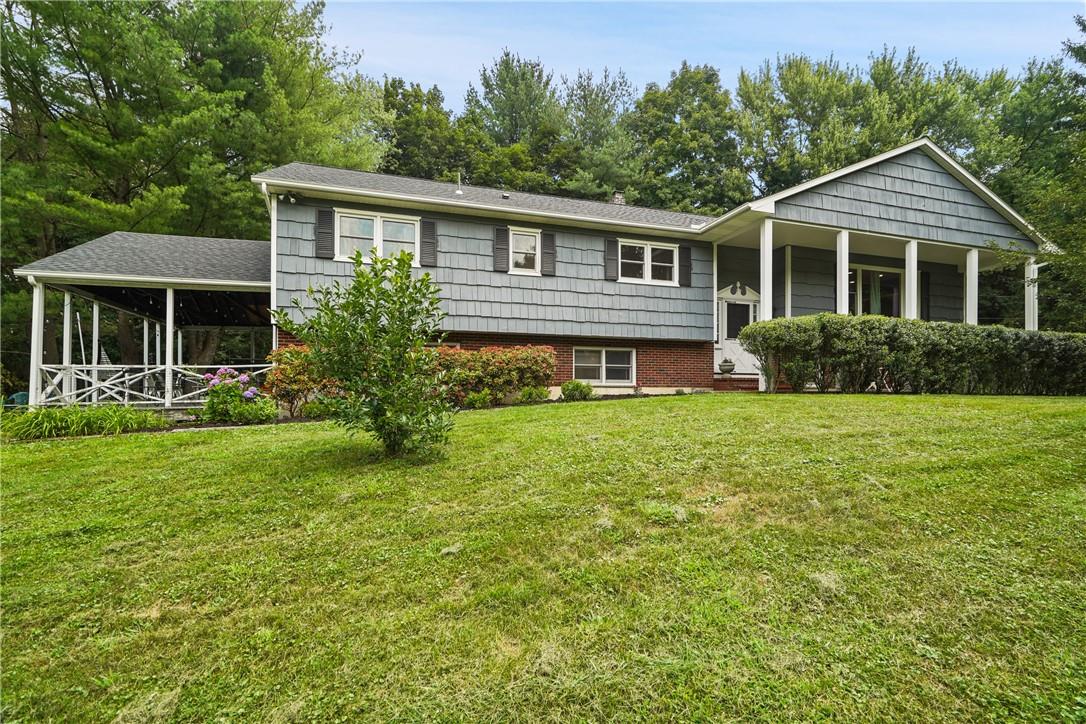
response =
{"points": [[131, 354], [202, 344]]}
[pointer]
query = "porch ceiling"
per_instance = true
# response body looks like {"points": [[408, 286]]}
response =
{"points": [[785, 233]]}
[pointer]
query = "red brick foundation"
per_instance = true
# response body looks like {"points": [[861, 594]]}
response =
{"points": [[659, 364]]}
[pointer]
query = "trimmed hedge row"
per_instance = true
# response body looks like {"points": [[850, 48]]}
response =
{"points": [[488, 376], [856, 354]]}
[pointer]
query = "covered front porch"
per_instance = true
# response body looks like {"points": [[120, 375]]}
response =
{"points": [[775, 268], [170, 308]]}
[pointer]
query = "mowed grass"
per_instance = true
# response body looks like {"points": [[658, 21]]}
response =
{"points": [[711, 556]]}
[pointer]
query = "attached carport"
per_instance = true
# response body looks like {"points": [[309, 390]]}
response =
{"points": [[168, 282]]}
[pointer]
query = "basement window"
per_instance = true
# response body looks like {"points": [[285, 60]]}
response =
{"points": [[603, 366]]}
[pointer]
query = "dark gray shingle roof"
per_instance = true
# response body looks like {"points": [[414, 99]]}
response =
{"points": [[440, 191], [160, 256]]}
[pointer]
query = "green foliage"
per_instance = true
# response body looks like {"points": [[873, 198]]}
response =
{"points": [[153, 116], [47, 422], [532, 395], [685, 136], [232, 398], [497, 371], [576, 391], [294, 379], [856, 354], [371, 337], [318, 408], [480, 399]]}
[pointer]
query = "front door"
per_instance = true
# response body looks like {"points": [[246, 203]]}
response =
{"points": [[735, 310]]}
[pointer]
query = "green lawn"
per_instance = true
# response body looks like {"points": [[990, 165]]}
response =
{"points": [[710, 556]]}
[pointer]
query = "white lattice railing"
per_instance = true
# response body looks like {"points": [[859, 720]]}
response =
{"points": [[132, 384]]}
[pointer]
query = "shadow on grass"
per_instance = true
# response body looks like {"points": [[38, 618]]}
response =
{"points": [[354, 455]]}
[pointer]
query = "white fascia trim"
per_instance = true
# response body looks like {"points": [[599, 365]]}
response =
{"points": [[301, 186], [123, 279]]}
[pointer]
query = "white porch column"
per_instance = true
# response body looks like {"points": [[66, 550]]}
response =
{"points": [[765, 291], [168, 397], [95, 356], [158, 344], [180, 354], [37, 337], [911, 277], [66, 346], [842, 271], [1031, 294], [972, 278], [146, 353]]}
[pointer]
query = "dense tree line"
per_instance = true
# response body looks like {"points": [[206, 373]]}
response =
{"points": [[152, 116]]}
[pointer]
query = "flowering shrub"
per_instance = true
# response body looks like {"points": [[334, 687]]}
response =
{"points": [[497, 371], [232, 398], [294, 379]]}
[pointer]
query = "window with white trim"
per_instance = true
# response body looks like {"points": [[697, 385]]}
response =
{"points": [[649, 263], [359, 231], [604, 366], [524, 251]]}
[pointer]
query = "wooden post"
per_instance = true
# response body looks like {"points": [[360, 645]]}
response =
{"points": [[37, 335], [168, 396], [972, 272], [95, 357], [1032, 309], [842, 272], [146, 353], [912, 253], [66, 347], [765, 242]]}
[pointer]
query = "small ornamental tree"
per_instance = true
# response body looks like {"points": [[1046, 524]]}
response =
{"points": [[371, 337]]}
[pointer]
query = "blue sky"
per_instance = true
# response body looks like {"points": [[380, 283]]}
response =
{"points": [[447, 43]]}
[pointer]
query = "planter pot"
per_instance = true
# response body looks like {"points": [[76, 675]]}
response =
{"points": [[726, 368]]}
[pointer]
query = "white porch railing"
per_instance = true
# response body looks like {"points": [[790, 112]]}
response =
{"points": [[133, 384]]}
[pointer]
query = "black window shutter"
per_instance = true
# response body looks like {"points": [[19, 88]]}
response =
{"points": [[326, 234], [428, 243], [610, 259], [549, 251], [685, 266], [501, 248]]}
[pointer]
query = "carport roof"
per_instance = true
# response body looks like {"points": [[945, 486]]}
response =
{"points": [[159, 260]]}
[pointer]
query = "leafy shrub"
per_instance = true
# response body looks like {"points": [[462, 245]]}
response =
{"points": [[479, 400], [785, 349], [500, 370], [575, 391], [47, 422], [294, 379], [532, 395], [371, 337], [902, 355], [231, 398], [318, 408]]}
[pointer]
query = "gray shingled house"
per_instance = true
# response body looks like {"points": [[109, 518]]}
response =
{"points": [[628, 296]]}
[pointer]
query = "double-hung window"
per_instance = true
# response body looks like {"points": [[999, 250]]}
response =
{"points": [[524, 251], [604, 366], [649, 263], [389, 235]]}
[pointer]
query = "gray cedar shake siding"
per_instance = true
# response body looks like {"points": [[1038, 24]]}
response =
{"points": [[577, 301], [910, 196]]}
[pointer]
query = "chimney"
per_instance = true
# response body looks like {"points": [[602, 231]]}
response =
{"points": [[617, 197]]}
